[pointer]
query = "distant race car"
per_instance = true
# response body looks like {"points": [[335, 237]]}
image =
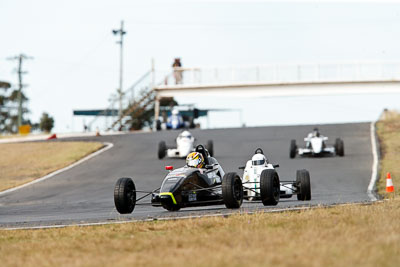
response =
{"points": [[260, 179], [184, 145], [185, 187], [316, 146], [176, 121]]}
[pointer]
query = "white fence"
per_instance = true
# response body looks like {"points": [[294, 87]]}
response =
{"points": [[290, 73]]}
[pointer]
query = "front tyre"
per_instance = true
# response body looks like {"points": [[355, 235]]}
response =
{"points": [[162, 149], [192, 125], [293, 148], [125, 195], [232, 190], [269, 187], [303, 184], [339, 146], [158, 125], [210, 147], [171, 207]]}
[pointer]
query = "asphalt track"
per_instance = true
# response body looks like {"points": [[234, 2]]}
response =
{"points": [[84, 193]]}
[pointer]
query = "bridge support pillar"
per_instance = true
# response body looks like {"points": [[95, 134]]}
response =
{"points": [[156, 111]]}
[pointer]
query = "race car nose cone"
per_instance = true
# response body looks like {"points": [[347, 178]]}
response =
{"points": [[169, 168]]}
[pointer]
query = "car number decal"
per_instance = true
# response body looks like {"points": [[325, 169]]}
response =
{"points": [[192, 196]]}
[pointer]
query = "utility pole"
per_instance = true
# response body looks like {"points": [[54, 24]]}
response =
{"points": [[20, 72], [121, 33]]}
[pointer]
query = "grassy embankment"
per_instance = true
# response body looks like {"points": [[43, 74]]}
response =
{"points": [[23, 162], [388, 129], [340, 236], [354, 235]]}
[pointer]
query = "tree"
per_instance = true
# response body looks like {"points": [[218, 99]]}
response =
{"points": [[9, 102], [143, 116], [46, 123], [13, 102], [4, 110]]}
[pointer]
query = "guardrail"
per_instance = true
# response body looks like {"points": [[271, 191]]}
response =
{"points": [[289, 73]]}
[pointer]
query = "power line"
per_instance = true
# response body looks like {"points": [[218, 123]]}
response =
{"points": [[121, 33], [21, 57]]}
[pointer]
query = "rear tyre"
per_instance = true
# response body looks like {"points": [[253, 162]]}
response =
{"points": [[293, 148], [269, 187], [303, 184], [339, 146], [210, 147], [171, 207], [158, 125], [125, 195], [232, 190], [191, 123], [162, 148]]}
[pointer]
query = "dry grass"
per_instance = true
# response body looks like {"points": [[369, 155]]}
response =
{"points": [[11, 136], [20, 136], [23, 162], [388, 129], [340, 236]]}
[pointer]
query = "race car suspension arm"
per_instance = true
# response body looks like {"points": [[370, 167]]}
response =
{"points": [[147, 193], [251, 182], [206, 189], [251, 189], [284, 184]]}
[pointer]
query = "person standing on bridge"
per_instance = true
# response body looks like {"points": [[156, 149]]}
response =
{"points": [[177, 71]]}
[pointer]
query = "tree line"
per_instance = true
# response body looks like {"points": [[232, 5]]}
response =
{"points": [[9, 101]]}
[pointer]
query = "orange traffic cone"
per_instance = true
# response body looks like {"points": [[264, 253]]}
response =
{"points": [[53, 136], [98, 132], [389, 183]]}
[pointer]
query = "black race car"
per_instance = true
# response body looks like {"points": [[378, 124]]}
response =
{"points": [[188, 187]]}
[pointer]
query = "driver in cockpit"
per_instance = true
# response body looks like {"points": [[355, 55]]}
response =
{"points": [[314, 133], [195, 160]]}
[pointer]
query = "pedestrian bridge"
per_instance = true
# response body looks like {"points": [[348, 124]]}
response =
{"points": [[329, 78], [284, 80]]}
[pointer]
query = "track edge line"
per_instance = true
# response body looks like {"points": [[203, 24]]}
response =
{"points": [[280, 210], [371, 191]]}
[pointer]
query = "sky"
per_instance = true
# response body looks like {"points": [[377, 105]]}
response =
{"points": [[75, 61]]}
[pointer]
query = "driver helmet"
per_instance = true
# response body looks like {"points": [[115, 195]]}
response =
{"points": [[195, 160], [185, 134], [258, 159], [175, 111], [316, 132]]}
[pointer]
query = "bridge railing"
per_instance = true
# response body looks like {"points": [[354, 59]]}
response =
{"points": [[289, 73]]}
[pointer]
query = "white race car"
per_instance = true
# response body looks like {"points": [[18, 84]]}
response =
{"points": [[316, 146], [261, 182], [185, 144]]}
